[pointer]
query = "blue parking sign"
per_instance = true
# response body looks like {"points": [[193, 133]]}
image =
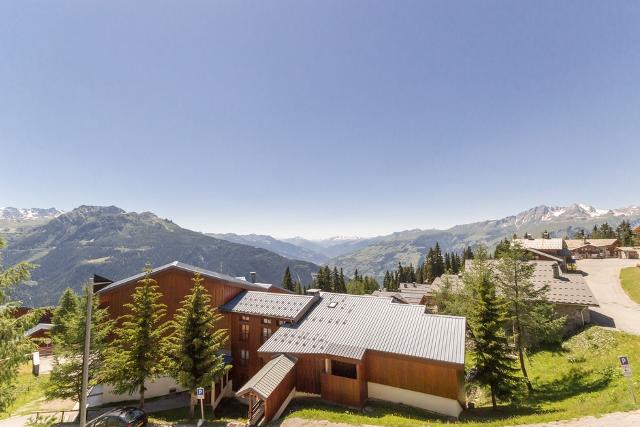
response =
{"points": [[624, 360], [200, 392]]}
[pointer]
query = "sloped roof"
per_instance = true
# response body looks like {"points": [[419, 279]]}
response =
{"points": [[192, 269], [544, 254], [348, 325], [563, 288], [285, 306], [265, 381], [555, 244], [573, 244]]}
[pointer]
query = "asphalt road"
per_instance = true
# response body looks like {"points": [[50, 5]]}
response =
{"points": [[603, 277]]}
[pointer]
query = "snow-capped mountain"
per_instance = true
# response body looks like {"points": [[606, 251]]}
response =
{"points": [[574, 212], [28, 214]]}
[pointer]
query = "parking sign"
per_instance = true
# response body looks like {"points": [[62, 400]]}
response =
{"points": [[624, 361], [200, 392]]}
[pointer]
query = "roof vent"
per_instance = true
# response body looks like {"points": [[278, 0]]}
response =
{"points": [[253, 276], [332, 304]]}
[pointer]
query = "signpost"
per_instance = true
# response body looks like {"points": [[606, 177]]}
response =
{"points": [[200, 396], [626, 371]]}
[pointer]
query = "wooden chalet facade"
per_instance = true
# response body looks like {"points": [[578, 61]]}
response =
{"points": [[344, 348]]}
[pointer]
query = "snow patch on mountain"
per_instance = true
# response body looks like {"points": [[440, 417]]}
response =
{"points": [[28, 214]]}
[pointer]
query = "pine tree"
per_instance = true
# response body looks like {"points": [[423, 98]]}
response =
{"points": [[14, 344], [287, 282], [447, 263], [370, 284], [438, 262], [493, 356], [468, 253], [386, 283], [342, 283], [67, 307], [65, 381], [530, 315], [196, 342], [138, 351]]}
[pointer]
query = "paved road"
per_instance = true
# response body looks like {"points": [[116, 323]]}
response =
{"points": [[603, 277]]}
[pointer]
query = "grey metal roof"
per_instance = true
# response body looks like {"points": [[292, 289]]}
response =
{"points": [[542, 244], [563, 288], [265, 381], [574, 244], [190, 268], [357, 323], [285, 306]]}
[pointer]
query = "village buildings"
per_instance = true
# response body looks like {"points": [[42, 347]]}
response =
{"points": [[344, 348]]}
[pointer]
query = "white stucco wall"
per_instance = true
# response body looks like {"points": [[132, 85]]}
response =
{"points": [[103, 393], [440, 405]]}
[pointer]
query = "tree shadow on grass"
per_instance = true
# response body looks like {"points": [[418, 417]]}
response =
{"points": [[576, 381]]}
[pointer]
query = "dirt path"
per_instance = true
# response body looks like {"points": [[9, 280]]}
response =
{"points": [[603, 277]]}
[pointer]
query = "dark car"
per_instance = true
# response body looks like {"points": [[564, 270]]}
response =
{"points": [[121, 417]]}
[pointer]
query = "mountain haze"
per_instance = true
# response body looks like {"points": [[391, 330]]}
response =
{"points": [[410, 247], [113, 243]]}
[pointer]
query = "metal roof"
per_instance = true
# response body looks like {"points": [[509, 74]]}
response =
{"points": [[192, 269], [555, 244], [356, 323], [265, 381], [563, 288], [286, 306], [574, 244]]}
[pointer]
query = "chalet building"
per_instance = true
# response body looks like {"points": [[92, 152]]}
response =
{"points": [[408, 293], [593, 248], [628, 252], [555, 250], [569, 293], [39, 333], [343, 348], [350, 348]]}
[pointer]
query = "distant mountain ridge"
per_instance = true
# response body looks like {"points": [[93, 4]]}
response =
{"points": [[28, 214], [410, 247], [113, 243]]}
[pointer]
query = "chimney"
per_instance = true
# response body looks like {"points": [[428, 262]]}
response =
{"points": [[253, 276], [556, 271]]}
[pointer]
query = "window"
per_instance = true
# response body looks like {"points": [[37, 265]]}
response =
{"points": [[244, 332], [281, 322], [266, 333], [244, 357], [341, 369], [244, 318], [266, 321]]}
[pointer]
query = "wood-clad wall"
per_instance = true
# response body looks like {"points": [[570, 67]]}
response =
{"points": [[174, 284], [239, 373], [346, 391], [279, 395], [423, 376]]}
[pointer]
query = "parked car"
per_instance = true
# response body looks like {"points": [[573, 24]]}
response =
{"points": [[121, 417]]}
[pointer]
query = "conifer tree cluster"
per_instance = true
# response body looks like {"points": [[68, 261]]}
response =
{"points": [[623, 232], [330, 280], [145, 344], [435, 265], [291, 285], [361, 285]]}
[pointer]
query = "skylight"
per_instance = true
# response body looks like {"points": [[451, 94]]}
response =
{"points": [[332, 304]]}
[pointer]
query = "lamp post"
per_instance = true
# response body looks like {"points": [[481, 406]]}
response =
{"points": [[85, 356]]}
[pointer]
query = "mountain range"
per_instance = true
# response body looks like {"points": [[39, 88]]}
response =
{"points": [[70, 247]]}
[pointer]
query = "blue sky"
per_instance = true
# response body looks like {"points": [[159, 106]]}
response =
{"points": [[319, 118]]}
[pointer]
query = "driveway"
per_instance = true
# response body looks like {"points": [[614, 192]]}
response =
{"points": [[603, 277]]}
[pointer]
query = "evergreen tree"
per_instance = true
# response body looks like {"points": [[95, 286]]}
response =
{"points": [[370, 284], [67, 308], [447, 263], [287, 282], [580, 234], [340, 285], [386, 283], [14, 345], [530, 315], [468, 253], [438, 262], [493, 357], [65, 381], [502, 247], [625, 234], [428, 271], [138, 351], [196, 342], [297, 288]]}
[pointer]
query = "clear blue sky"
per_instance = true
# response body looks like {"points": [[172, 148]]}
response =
{"points": [[319, 118]]}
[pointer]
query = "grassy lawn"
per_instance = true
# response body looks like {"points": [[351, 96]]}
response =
{"points": [[228, 410], [581, 378], [630, 280], [28, 389]]}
